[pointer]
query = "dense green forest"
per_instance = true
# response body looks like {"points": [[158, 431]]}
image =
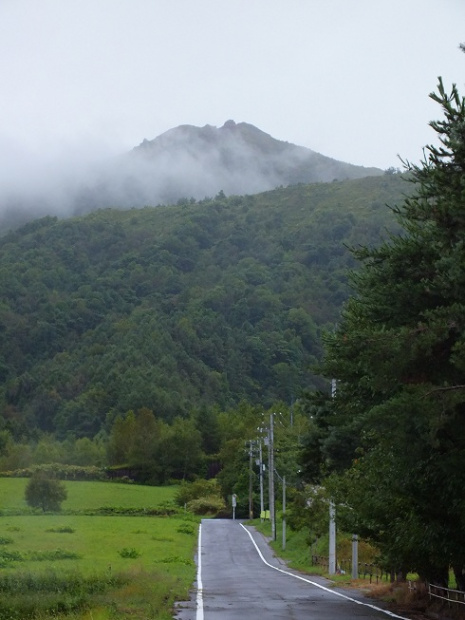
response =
{"points": [[175, 308]]}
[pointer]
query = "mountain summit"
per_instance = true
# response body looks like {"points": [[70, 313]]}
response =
{"points": [[238, 158], [184, 162], [198, 162]]}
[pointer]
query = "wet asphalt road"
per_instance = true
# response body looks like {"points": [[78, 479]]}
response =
{"points": [[242, 580]]}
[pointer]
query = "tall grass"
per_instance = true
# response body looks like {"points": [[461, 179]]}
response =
{"points": [[28, 595], [298, 553], [74, 566]]}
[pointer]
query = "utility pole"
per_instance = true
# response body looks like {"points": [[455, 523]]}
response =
{"points": [[355, 556], [332, 538], [283, 482], [250, 481], [332, 516], [271, 476], [284, 512], [260, 464]]}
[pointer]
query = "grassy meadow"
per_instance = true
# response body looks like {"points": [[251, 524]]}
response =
{"points": [[91, 566], [88, 496]]}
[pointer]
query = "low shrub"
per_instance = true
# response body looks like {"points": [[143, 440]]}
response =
{"points": [[129, 553], [7, 557], [158, 511], [175, 559], [54, 554], [185, 528], [208, 505], [188, 491], [59, 471]]}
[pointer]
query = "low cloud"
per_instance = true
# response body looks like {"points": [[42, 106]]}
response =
{"points": [[185, 162]]}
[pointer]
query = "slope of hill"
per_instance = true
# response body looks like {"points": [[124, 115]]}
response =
{"points": [[174, 308]]}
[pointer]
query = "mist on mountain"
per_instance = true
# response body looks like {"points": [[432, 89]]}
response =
{"points": [[184, 162]]}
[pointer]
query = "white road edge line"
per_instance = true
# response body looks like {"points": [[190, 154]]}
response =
{"points": [[317, 585], [199, 614]]}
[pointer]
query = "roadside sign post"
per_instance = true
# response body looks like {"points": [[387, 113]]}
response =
{"points": [[234, 502]]}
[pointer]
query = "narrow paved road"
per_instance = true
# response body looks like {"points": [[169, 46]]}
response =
{"points": [[239, 578]]}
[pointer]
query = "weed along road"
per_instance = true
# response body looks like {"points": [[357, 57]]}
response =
{"points": [[239, 578]]}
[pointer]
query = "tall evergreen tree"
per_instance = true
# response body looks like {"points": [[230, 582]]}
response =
{"points": [[398, 354]]}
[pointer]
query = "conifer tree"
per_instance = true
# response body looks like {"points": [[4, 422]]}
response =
{"points": [[398, 354]]}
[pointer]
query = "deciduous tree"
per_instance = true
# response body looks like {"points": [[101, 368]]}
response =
{"points": [[44, 492]]}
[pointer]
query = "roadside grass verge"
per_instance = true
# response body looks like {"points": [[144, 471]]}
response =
{"points": [[298, 553], [93, 567]]}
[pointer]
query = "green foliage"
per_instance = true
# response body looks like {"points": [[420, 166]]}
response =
{"points": [[176, 559], [84, 454], [394, 430], [188, 491], [29, 595], [59, 471], [301, 549], [174, 308], [181, 447], [7, 557], [52, 555], [129, 553], [46, 493], [91, 497], [155, 452], [92, 572], [186, 528], [206, 505], [308, 511], [202, 497]]}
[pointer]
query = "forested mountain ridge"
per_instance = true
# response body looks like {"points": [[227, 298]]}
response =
{"points": [[175, 308]]}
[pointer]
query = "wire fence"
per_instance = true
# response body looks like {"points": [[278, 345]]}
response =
{"points": [[377, 575], [446, 594]]}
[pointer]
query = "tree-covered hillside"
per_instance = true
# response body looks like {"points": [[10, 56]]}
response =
{"points": [[176, 308]]}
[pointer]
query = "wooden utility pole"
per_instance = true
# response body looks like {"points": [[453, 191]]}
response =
{"points": [[271, 476], [250, 480]]}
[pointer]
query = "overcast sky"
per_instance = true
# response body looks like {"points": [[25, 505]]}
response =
{"points": [[347, 78]]}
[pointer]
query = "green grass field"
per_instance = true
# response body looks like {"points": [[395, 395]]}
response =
{"points": [[88, 495], [114, 566]]}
